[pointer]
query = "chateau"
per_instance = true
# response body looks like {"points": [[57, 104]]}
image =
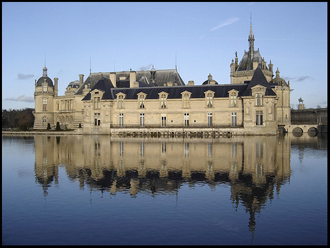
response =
{"points": [[255, 102]]}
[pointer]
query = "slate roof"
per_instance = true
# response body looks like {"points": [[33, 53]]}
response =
{"points": [[48, 80], [175, 92], [258, 79], [103, 84], [246, 63], [91, 80]]}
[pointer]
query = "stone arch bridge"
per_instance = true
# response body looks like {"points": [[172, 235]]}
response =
{"points": [[304, 128]]}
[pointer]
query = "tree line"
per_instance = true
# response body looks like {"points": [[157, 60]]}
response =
{"points": [[22, 119]]}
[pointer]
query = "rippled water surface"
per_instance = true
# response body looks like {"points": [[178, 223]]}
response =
{"points": [[89, 190]]}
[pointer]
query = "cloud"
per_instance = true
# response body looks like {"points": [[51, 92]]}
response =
{"points": [[24, 76], [145, 67], [302, 78], [225, 23], [298, 79], [21, 98]]}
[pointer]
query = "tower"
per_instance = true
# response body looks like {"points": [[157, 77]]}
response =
{"points": [[44, 101]]}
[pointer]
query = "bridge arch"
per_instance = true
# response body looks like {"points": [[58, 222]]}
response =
{"points": [[312, 131]]}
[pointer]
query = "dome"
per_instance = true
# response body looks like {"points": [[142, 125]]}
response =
{"points": [[42, 79], [278, 80], [44, 76], [74, 84]]}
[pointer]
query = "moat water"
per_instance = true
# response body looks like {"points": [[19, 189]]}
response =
{"points": [[97, 190]]}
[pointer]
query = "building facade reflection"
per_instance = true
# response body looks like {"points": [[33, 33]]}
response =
{"points": [[254, 166]]}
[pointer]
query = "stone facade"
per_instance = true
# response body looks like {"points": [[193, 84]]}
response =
{"points": [[106, 103]]}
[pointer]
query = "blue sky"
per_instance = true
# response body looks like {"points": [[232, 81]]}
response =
{"points": [[200, 37]]}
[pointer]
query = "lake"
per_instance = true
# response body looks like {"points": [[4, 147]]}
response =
{"points": [[101, 190]]}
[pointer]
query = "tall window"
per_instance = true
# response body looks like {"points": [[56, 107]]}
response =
{"points": [[259, 99], [209, 119], [44, 121], [142, 120], [121, 120], [97, 120], [141, 101], [185, 99], [209, 100], [44, 104], [120, 101], [163, 100], [44, 88], [259, 120], [163, 124], [233, 119], [186, 119], [233, 100], [96, 102], [142, 149]]}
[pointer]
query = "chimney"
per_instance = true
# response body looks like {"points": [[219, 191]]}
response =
{"points": [[191, 83], [56, 86], [132, 78], [113, 79], [81, 79]]}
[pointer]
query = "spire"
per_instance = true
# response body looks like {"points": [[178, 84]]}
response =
{"points": [[44, 72], [251, 40]]}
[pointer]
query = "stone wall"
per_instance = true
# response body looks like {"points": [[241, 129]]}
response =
{"points": [[310, 116]]}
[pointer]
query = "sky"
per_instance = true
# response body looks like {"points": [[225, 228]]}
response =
{"points": [[200, 38]]}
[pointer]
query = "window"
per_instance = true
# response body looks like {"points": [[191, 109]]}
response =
{"points": [[44, 104], [163, 101], [44, 88], [142, 120], [163, 148], [233, 150], [186, 149], [209, 100], [209, 150], [233, 100], [121, 120], [141, 101], [120, 101], [97, 120], [259, 150], [186, 119], [185, 99], [121, 149], [142, 149], [44, 121], [233, 119], [259, 118], [163, 124], [96, 102], [258, 99], [209, 119]]}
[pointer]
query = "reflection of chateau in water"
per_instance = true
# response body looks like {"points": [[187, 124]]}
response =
{"points": [[253, 166]]}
